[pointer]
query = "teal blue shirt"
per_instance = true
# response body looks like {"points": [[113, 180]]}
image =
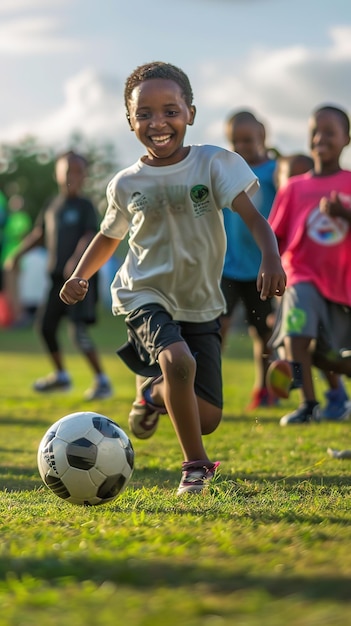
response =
{"points": [[243, 257]]}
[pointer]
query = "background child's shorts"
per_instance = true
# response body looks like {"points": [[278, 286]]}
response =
{"points": [[304, 312], [256, 310], [151, 329]]}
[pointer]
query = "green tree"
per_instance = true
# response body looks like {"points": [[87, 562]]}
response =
{"points": [[27, 171]]}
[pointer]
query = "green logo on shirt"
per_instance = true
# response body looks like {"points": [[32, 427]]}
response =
{"points": [[199, 193]]}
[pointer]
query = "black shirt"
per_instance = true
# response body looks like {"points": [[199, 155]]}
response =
{"points": [[65, 221]]}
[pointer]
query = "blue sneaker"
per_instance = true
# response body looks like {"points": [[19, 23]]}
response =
{"points": [[338, 407], [57, 381]]}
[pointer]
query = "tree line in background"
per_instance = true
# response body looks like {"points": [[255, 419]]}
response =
{"points": [[27, 172]]}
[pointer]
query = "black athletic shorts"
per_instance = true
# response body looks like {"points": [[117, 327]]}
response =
{"points": [[151, 329], [256, 310]]}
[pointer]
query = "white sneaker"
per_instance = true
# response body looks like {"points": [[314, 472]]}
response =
{"points": [[53, 382]]}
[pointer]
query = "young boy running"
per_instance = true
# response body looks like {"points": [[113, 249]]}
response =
{"points": [[247, 136], [170, 202]]}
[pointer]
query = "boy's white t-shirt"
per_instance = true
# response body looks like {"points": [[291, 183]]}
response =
{"points": [[177, 241]]}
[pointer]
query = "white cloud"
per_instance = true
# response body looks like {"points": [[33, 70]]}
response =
{"points": [[281, 86], [92, 105], [341, 36], [33, 35], [10, 6]]}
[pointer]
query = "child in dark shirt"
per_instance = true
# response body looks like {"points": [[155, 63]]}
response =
{"points": [[66, 227]]}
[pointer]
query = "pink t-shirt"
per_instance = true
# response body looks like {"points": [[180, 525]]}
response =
{"points": [[315, 248]]}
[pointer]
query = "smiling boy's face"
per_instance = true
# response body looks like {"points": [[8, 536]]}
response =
{"points": [[328, 136], [159, 115]]}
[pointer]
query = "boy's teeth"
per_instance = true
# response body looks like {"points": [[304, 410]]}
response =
{"points": [[161, 139]]}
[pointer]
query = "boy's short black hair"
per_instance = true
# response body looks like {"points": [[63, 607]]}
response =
{"points": [[343, 116], [244, 116], [158, 69], [71, 154]]}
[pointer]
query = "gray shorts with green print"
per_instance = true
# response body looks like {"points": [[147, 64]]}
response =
{"points": [[304, 312]]}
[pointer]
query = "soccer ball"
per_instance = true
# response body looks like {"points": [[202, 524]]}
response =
{"points": [[86, 458]]}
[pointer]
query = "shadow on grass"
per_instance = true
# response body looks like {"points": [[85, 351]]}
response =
{"points": [[158, 573], [249, 419], [19, 478], [315, 480], [27, 478], [25, 421]]}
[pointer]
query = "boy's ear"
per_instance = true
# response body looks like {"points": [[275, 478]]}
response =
{"points": [[128, 120], [192, 110]]}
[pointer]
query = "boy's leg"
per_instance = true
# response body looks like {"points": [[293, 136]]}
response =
{"points": [[302, 313], [101, 387], [257, 313], [82, 315], [297, 350], [333, 361], [47, 323], [178, 367], [139, 381], [189, 415], [152, 331], [144, 415], [232, 298]]}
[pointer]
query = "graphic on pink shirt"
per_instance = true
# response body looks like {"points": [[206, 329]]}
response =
{"points": [[325, 230]]}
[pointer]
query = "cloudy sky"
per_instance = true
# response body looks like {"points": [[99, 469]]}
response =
{"points": [[63, 64]]}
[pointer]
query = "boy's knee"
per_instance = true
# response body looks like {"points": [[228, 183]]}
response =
{"points": [[183, 369], [181, 366]]}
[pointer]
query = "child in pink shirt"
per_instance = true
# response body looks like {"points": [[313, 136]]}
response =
{"points": [[311, 218]]}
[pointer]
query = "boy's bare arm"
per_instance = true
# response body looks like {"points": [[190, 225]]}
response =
{"points": [[95, 256], [82, 245]]}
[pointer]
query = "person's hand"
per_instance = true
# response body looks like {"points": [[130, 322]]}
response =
{"points": [[271, 280], [332, 206], [74, 290]]}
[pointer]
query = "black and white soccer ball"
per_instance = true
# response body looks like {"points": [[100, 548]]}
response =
{"points": [[86, 458]]}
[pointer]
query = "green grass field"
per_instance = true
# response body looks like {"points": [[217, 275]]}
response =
{"points": [[268, 545]]}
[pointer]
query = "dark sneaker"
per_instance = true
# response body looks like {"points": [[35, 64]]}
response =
{"points": [[303, 415], [196, 475], [338, 407], [53, 382], [99, 391], [144, 416]]}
